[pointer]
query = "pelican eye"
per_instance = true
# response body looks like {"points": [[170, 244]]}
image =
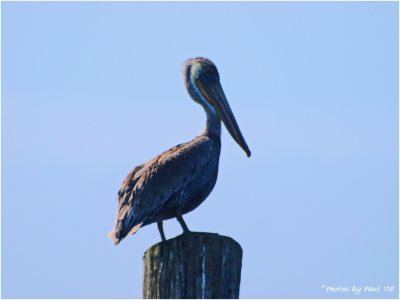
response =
{"points": [[195, 70], [208, 75]]}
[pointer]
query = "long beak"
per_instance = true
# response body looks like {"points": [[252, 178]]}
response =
{"points": [[215, 95]]}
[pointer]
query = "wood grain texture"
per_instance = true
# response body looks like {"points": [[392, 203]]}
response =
{"points": [[194, 265]]}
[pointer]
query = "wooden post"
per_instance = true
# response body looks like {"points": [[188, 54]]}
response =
{"points": [[193, 265]]}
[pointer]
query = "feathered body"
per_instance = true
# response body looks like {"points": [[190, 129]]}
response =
{"points": [[167, 184], [180, 179]]}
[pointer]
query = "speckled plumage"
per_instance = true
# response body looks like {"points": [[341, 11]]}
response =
{"points": [[168, 183], [180, 179]]}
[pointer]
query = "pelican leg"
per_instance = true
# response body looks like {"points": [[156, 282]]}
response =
{"points": [[160, 228], [183, 224]]}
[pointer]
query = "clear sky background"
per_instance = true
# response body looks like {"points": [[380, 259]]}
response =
{"points": [[90, 90]]}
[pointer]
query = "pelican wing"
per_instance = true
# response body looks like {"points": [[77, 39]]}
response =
{"points": [[153, 186]]}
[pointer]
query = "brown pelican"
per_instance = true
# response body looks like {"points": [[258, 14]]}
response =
{"points": [[180, 179]]}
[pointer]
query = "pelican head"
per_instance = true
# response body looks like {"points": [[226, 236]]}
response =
{"points": [[202, 82]]}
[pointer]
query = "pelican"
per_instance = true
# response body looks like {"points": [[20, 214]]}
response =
{"points": [[180, 179]]}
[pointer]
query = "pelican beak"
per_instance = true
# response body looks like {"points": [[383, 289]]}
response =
{"points": [[216, 97]]}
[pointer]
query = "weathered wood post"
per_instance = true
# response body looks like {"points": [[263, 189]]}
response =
{"points": [[193, 265]]}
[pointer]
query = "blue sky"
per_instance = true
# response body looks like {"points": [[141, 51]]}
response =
{"points": [[90, 90]]}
